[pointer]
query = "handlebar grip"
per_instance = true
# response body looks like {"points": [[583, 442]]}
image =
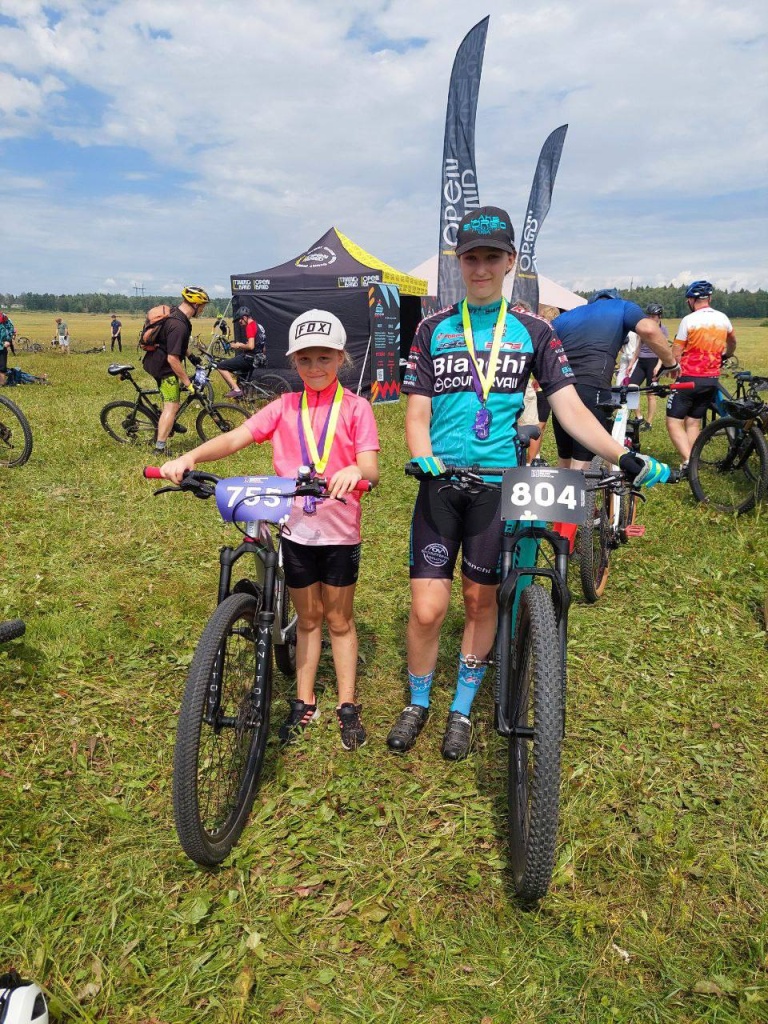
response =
{"points": [[152, 473], [676, 475], [363, 485], [687, 385]]}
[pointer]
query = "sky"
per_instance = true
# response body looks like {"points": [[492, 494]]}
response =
{"points": [[145, 144]]}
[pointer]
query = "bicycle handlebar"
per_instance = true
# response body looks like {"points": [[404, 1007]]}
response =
{"points": [[192, 480]]}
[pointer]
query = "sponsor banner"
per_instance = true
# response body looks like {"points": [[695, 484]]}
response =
{"points": [[349, 281], [250, 284], [458, 186], [320, 256], [384, 308], [525, 288]]}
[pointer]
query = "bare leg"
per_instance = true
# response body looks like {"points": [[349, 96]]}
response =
{"points": [[429, 605], [678, 432], [338, 608], [167, 416], [229, 379], [308, 602], [479, 617]]}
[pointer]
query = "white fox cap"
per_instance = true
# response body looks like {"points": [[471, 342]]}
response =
{"points": [[316, 327]]}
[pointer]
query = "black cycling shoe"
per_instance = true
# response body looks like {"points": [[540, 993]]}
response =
{"points": [[458, 737], [409, 724], [179, 428]]}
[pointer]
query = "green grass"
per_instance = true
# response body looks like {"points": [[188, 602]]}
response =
{"points": [[365, 887]]}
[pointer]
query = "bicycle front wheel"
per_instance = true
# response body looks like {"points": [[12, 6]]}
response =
{"points": [[15, 434], [594, 539], [128, 425], [536, 720], [728, 467], [219, 418], [222, 733], [12, 630]]}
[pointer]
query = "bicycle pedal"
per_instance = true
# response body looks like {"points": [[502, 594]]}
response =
{"points": [[635, 530]]}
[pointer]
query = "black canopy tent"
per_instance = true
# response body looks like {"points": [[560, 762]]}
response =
{"points": [[378, 305]]}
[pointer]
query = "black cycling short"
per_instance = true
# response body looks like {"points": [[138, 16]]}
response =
{"points": [[543, 408], [568, 447], [240, 363], [336, 565], [643, 371], [3, 359], [445, 520], [692, 404]]}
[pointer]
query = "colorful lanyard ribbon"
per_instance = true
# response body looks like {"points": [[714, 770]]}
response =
{"points": [[484, 381], [309, 447]]}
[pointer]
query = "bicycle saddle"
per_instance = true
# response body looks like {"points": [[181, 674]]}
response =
{"points": [[115, 369]]}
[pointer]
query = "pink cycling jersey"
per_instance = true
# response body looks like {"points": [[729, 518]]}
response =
{"points": [[279, 422]]}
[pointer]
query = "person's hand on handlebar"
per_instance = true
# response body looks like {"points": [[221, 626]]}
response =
{"points": [[343, 481], [669, 371], [643, 470], [430, 464], [175, 469]]}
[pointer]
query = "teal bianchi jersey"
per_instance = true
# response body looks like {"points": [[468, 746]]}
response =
{"points": [[440, 368]]}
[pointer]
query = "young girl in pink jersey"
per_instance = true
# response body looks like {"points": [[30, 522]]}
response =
{"points": [[334, 430]]}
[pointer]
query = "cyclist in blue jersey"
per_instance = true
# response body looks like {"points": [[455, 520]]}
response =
{"points": [[465, 381]]}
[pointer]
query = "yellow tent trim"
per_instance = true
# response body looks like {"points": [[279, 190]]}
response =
{"points": [[406, 284]]}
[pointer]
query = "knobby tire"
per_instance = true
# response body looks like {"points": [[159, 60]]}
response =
{"points": [[594, 537], [728, 467], [217, 765], [15, 435], [11, 630], [533, 786]]}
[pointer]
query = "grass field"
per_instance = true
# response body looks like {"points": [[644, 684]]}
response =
{"points": [[369, 888]]}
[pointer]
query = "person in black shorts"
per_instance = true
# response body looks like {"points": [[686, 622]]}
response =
{"points": [[646, 365], [246, 352], [465, 380]]}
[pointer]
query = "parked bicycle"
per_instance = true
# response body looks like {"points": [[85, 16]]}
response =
{"points": [[24, 344], [223, 724], [728, 465], [611, 511], [15, 434], [136, 422]]}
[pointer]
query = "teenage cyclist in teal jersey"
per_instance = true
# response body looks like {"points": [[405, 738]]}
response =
{"points": [[465, 382]]}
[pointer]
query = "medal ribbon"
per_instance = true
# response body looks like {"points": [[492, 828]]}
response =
{"points": [[483, 382], [309, 447]]}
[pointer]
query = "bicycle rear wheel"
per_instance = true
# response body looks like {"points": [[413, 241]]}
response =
{"points": [[536, 719], [12, 630], [274, 384], [128, 425], [728, 467], [222, 733], [285, 654], [15, 434], [594, 539], [219, 418]]}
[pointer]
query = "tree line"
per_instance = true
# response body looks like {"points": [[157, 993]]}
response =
{"points": [[734, 304], [97, 302]]}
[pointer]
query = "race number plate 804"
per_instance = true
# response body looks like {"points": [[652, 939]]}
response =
{"points": [[544, 493]]}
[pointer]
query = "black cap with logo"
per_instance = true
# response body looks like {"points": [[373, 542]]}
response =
{"points": [[487, 225]]}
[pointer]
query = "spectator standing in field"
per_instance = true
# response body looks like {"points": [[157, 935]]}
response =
{"points": [[645, 366], [704, 338], [62, 335], [117, 334], [166, 364], [7, 333]]}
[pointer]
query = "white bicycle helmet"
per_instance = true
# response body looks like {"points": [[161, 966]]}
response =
{"points": [[21, 1002]]}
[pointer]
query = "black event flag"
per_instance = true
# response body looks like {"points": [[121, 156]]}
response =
{"points": [[458, 186], [525, 287]]}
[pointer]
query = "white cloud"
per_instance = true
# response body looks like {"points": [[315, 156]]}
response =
{"points": [[281, 121]]}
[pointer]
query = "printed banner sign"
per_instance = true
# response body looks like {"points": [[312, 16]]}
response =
{"points": [[246, 499], [525, 288], [384, 305], [458, 187]]}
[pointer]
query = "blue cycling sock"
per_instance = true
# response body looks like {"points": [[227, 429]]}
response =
{"points": [[470, 678], [420, 687]]}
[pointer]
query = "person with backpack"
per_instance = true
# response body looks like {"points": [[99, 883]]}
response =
{"points": [[7, 333], [333, 430], [164, 361]]}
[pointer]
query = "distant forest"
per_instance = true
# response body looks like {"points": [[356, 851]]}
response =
{"points": [[98, 302], [735, 304]]}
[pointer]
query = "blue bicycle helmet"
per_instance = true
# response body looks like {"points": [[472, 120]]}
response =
{"points": [[605, 293], [699, 290]]}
